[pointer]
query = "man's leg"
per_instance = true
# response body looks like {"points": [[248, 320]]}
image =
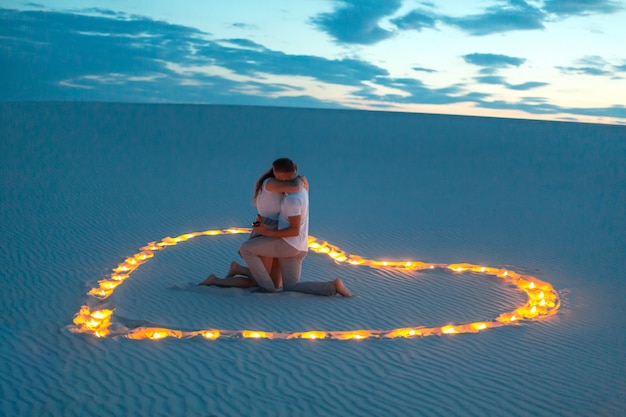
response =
{"points": [[292, 270]]}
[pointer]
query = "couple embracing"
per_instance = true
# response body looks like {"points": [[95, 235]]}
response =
{"points": [[279, 239]]}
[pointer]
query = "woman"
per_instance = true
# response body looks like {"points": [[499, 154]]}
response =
{"points": [[269, 191]]}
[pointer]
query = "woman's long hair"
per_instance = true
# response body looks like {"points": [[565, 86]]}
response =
{"points": [[280, 165]]}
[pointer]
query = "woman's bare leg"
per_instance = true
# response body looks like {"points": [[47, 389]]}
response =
{"points": [[237, 269], [271, 265], [268, 263], [276, 273], [229, 282], [239, 276]]}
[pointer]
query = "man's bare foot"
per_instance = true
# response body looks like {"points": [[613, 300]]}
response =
{"points": [[342, 289], [211, 280], [236, 269]]}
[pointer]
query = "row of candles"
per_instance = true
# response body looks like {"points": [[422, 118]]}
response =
{"points": [[96, 319]]}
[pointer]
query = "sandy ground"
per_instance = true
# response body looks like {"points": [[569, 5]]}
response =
{"points": [[83, 186]]}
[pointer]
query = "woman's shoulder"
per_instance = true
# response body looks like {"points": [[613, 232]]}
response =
{"points": [[264, 189]]}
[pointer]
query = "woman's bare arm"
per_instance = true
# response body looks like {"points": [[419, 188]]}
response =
{"points": [[291, 186]]}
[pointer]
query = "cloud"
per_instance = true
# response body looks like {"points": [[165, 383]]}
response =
{"points": [[357, 21], [244, 26], [250, 58], [581, 7], [42, 49], [527, 85], [493, 60], [595, 71], [593, 60], [531, 108], [108, 56], [498, 80], [491, 79], [416, 20], [509, 16], [617, 111], [429, 70], [488, 71], [52, 55], [593, 66], [417, 93]]}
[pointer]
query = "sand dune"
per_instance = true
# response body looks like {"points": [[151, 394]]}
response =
{"points": [[84, 186]]}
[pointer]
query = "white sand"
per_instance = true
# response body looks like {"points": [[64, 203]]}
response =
{"points": [[83, 186]]}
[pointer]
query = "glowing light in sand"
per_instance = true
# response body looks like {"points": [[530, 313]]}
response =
{"points": [[95, 319]]}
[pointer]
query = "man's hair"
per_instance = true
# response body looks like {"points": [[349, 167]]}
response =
{"points": [[284, 165], [280, 165]]}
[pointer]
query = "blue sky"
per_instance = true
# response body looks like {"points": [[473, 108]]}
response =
{"points": [[545, 59]]}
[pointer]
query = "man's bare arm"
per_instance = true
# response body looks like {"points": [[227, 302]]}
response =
{"points": [[292, 230]]}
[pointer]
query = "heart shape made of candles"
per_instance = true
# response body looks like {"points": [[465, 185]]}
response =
{"points": [[96, 320]]}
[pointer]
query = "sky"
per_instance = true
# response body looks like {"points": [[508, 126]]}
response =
{"points": [[560, 60]]}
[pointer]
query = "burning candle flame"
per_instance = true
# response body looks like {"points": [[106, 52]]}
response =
{"points": [[211, 334], [448, 329]]}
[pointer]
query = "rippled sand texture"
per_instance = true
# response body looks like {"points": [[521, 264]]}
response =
{"points": [[83, 186]]}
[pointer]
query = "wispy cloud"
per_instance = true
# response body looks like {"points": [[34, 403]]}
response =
{"points": [[416, 92], [493, 60], [109, 56], [585, 70], [422, 69], [491, 79], [509, 16], [240, 25], [491, 64], [527, 85], [58, 51], [581, 7], [594, 66], [357, 21], [416, 20], [499, 80]]}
